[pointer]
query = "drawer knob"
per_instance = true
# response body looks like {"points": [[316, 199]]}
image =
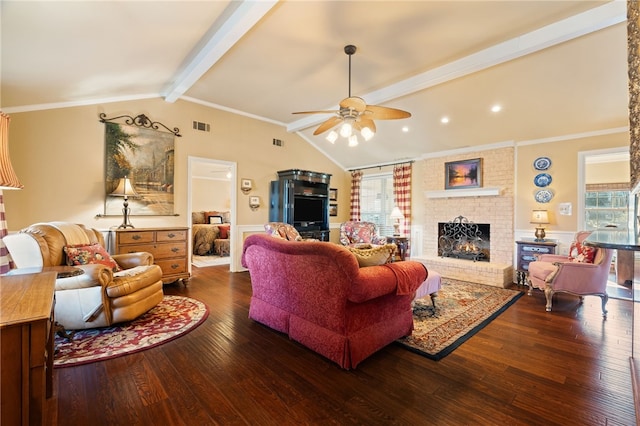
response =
{"points": [[174, 266], [136, 237], [175, 249], [171, 235]]}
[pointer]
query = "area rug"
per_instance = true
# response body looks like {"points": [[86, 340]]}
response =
{"points": [[204, 261], [173, 317], [462, 309]]}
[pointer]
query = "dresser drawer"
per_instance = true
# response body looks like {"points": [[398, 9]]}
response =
{"points": [[172, 266], [538, 249], [168, 250], [149, 248], [171, 235], [136, 237]]}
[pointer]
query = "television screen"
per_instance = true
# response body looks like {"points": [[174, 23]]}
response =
{"points": [[309, 209]]}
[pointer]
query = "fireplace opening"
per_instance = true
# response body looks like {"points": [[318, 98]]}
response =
{"points": [[463, 239]]}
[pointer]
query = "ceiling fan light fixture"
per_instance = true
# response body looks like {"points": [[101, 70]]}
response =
{"points": [[332, 136], [367, 133], [346, 128], [353, 140]]}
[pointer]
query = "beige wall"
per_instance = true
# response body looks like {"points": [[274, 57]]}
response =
{"points": [[564, 173], [59, 157], [210, 195], [611, 172]]}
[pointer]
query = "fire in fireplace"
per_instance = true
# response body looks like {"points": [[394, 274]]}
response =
{"points": [[463, 239]]}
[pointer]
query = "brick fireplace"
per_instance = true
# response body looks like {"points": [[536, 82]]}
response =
{"points": [[492, 205]]}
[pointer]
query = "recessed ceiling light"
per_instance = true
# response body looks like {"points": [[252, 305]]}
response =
{"points": [[405, 129], [496, 108], [444, 120]]}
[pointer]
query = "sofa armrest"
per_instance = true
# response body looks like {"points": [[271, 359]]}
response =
{"points": [[94, 275], [398, 278], [131, 260]]}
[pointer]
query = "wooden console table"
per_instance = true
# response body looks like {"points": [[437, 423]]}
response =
{"points": [[26, 360]]}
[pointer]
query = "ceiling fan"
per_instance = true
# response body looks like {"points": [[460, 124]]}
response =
{"points": [[355, 114]]}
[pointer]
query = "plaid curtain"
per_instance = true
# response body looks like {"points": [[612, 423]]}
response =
{"points": [[5, 260], [402, 194], [356, 178]]}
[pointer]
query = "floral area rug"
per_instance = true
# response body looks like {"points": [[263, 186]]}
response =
{"points": [[173, 317], [462, 309]]}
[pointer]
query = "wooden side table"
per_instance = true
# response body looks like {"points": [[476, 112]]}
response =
{"points": [[528, 251], [402, 243]]}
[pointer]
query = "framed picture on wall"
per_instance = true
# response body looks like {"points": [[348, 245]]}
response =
{"points": [[333, 194], [333, 210], [463, 174]]}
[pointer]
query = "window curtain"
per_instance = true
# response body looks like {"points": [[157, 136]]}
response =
{"points": [[356, 179], [402, 194]]}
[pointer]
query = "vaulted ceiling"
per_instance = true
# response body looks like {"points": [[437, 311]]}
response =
{"points": [[556, 67]]}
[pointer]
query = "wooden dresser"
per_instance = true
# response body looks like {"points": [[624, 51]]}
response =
{"points": [[26, 353], [168, 246]]}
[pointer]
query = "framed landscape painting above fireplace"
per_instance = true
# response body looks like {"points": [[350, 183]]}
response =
{"points": [[463, 174]]}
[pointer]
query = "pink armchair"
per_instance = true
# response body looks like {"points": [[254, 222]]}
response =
{"points": [[353, 232], [555, 273]]}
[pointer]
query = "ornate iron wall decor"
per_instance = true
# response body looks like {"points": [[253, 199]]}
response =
{"points": [[141, 152], [140, 121], [462, 239]]}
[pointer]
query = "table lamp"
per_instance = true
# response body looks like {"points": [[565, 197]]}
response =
{"points": [[540, 217], [125, 189], [397, 216]]}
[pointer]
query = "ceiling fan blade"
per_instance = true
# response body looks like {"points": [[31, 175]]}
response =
{"points": [[315, 112], [376, 112], [332, 122], [365, 122], [355, 103]]}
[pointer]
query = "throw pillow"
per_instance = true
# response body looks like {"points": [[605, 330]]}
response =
{"points": [[197, 218], [82, 254], [374, 256], [215, 220], [587, 254], [224, 232], [574, 250]]}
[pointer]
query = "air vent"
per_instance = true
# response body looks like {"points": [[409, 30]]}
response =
{"points": [[278, 142], [203, 127]]}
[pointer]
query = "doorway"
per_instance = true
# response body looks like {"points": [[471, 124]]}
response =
{"points": [[605, 202], [212, 187]]}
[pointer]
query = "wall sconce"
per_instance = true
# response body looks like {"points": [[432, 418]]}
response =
{"points": [[397, 216], [540, 217], [125, 189], [254, 203], [246, 186]]}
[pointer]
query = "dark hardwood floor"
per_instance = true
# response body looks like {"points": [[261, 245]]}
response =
{"points": [[527, 367]]}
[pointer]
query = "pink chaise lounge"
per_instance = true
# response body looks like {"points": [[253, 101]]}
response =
{"points": [[317, 294]]}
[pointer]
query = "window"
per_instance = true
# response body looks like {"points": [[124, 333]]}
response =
{"points": [[606, 208], [376, 201]]}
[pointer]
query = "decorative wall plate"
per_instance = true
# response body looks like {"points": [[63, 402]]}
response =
{"points": [[542, 180], [544, 196], [542, 163]]}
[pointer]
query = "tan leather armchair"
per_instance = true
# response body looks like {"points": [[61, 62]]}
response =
{"points": [[99, 297]]}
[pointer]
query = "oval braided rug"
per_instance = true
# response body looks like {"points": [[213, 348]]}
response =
{"points": [[173, 317]]}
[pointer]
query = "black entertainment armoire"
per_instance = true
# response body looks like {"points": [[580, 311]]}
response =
{"points": [[301, 198]]}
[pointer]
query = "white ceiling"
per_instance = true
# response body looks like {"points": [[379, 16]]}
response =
{"points": [[556, 67]]}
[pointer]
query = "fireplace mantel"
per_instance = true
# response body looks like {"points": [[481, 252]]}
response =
{"points": [[455, 193]]}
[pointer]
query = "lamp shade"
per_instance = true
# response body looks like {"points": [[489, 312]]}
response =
{"points": [[124, 189], [396, 213], [539, 216], [8, 177]]}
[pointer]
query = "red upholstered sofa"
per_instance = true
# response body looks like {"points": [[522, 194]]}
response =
{"points": [[317, 294]]}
